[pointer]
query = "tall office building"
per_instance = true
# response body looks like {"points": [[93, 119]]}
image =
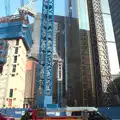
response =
{"points": [[115, 13], [79, 59], [58, 59]]}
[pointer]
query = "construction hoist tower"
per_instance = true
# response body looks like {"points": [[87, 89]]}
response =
{"points": [[104, 94], [43, 90], [45, 57]]}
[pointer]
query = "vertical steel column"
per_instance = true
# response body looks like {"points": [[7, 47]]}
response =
{"points": [[7, 7], [22, 3], [45, 58]]}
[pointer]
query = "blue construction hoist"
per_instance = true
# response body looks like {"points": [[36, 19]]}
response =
{"points": [[45, 57]]}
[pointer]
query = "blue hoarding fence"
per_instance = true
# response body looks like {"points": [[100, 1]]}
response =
{"points": [[112, 112], [13, 112]]}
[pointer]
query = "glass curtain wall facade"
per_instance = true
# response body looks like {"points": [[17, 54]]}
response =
{"points": [[109, 33], [79, 55], [115, 14]]}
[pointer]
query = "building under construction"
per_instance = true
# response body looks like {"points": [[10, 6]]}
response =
{"points": [[80, 58], [16, 40]]}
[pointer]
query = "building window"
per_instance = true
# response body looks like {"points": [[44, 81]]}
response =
{"points": [[86, 59], [23, 105], [85, 94], [13, 75], [1, 69], [17, 42], [86, 102], [26, 105], [15, 59], [14, 68], [11, 93], [16, 50]]}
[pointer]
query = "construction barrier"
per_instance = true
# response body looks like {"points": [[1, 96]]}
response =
{"points": [[62, 118], [13, 112], [113, 112]]}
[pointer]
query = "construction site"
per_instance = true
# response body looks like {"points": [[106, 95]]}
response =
{"points": [[56, 63]]}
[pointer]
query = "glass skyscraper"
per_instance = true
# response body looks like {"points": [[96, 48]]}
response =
{"points": [[115, 13], [79, 10], [79, 58], [110, 38], [90, 47]]}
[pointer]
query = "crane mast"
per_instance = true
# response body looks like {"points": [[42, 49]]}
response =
{"points": [[43, 87], [45, 57]]}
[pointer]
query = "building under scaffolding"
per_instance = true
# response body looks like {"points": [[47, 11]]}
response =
{"points": [[15, 41], [102, 73]]}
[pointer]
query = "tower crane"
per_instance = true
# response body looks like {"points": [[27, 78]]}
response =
{"points": [[45, 57]]}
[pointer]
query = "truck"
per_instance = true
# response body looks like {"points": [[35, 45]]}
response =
{"points": [[41, 114]]}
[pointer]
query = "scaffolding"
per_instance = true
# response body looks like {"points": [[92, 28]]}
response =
{"points": [[100, 55]]}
